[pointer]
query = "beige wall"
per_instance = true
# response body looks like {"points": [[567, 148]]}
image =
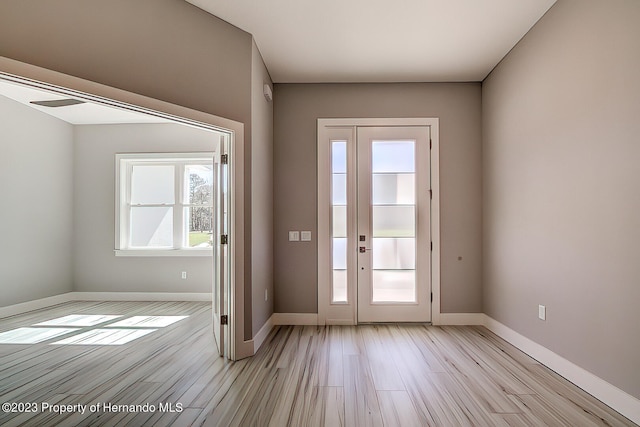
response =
{"points": [[164, 49], [36, 218], [561, 187], [298, 106], [261, 198]]}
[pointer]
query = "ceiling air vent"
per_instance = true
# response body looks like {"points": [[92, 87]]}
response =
{"points": [[58, 102]]}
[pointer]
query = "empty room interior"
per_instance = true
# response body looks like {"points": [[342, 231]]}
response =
{"points": [[334, 213]]}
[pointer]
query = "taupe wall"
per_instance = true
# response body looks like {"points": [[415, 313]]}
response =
{"points": [[261, 198], [36, 218], [165, 49], [96, 268], [298, 106], [561, 187]]}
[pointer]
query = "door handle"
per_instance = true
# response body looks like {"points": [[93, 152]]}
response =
{"points": [[362, 249]]}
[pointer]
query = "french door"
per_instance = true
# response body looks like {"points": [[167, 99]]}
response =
{"points": [[393, 224], [378, 228], [222, 270]]}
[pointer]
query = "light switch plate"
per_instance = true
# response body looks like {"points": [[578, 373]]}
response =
{"points": [[542, 312], [305, 236], [294, 236]]}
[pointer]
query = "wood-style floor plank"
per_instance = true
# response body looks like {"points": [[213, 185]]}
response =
{"points": [[369, 375]]}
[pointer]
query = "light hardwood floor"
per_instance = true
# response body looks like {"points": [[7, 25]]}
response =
{"points": [[383, 375]]}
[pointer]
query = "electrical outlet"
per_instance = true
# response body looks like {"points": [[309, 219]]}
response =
{"points": [[542, 312], [184, 275]]}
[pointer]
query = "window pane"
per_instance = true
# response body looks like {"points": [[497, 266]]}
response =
{"points": [[151, 227], [198, 222], [339, 293], [392, 189], [394, 254], [339, 265], [339, 254], [393, 156], [152, 184], [394, 221], [198, 184], [394, 286], [339, 221], [338, 156], [339, 189]]}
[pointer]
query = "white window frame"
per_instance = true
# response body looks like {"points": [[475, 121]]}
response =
{"points": [[124, 169]]}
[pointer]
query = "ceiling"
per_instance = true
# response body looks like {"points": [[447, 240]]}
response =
{"points": [[87, 113], [379, 40]]}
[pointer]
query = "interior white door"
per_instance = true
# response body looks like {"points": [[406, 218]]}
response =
{"points": [[221, 251], [393, 224]]}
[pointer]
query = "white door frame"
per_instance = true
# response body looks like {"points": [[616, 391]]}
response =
{"points": [[345, 128], [43, 78]]}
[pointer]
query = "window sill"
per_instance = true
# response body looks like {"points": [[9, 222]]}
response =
{"points": [[164, 252]]}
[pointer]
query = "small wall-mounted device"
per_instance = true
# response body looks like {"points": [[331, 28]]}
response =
{"points": [[268, 94]]}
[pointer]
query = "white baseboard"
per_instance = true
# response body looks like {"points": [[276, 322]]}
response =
{"points": [[461, 319], [262, 334], [37, 304], [618, 399], [24, 307], [140, 296], [295, 318]]}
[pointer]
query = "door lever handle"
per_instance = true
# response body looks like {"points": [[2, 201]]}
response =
{"points": [[362, 249]]}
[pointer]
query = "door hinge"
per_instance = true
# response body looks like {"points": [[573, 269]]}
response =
{"points": [[224, 319], [430, 194], [431, 245], [224, 159], [430, 143], [224, 239], [431, 296]]}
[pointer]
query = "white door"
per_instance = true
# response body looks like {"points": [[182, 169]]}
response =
{"points": [[393, 224], [221, 248]]}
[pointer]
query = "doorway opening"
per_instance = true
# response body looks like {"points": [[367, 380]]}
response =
{"points": [[202, 191]]}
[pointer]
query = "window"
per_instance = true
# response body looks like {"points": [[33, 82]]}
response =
{"points": [[164, 204]]}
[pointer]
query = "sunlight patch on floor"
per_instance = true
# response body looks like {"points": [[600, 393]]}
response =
{"points": [[32, 335], [79, 320], [120, 332], [105, 337], [147, 321]]}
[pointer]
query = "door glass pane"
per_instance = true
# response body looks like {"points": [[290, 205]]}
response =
{"points": [[393, 156], [152, 184], [393, 189], [339, 293], [339, 249], [394, 221], [338, 156], [151, 227], [394, 254], [339, 189], [339, 220], [394, 286], [339, 254]]}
